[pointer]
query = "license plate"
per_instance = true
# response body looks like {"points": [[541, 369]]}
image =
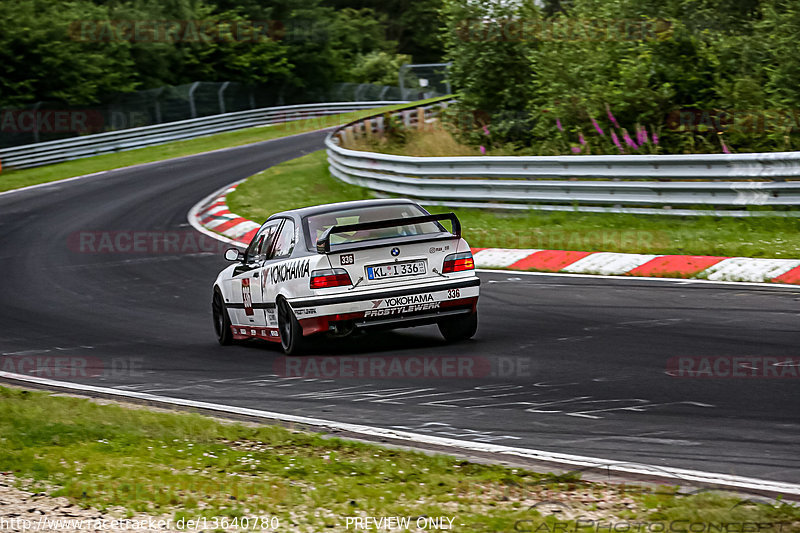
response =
{"points": [[396, 270]]}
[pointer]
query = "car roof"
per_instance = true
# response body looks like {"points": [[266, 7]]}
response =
{"points": [[340, 206]]}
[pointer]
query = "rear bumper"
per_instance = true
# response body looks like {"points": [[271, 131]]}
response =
{"points": [[389, 308]]}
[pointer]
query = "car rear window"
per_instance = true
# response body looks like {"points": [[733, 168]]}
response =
{"points": [[317, 224]]}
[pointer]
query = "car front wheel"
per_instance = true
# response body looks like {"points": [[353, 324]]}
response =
{"points": [[459, 328], [222, 321]]}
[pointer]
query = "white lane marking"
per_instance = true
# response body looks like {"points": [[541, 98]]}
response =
{"points": [[50, 183], [608, 263], [679, 475], [627, 279], [160, 161], [499, 257], [747, 269]]}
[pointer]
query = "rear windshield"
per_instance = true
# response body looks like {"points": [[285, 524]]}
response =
{"points": [[317, 224]]}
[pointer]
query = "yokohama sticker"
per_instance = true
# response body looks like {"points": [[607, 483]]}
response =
{"points": [[403, 300], [290, 271], [391, 311]]}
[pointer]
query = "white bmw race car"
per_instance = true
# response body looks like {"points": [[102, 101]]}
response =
{"points": [[340, 267]]}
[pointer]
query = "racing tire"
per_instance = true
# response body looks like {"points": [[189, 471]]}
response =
{"points": [[290, 330], [222, 321], [459, 328]]}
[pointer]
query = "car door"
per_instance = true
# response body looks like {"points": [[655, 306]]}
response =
{"points": [[247, 279], [281, 251]]}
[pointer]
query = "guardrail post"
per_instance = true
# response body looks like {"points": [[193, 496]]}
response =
{"points": [[158, 105], [221, 98], [35, 122], [192, 108], [368, 128]]}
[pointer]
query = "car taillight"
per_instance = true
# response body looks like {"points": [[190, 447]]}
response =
{"points": [[458, 262], [330, 277]]}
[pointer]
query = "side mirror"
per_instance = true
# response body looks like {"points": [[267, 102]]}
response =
{"points": [[232, 254]]}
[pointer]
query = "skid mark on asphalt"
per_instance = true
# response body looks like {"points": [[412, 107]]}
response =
{"points": [[646, 438], [47, 350], [446, 430], [542, 398], [497, 396]]}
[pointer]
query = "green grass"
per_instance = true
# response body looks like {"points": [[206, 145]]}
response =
{"points": [[306, 181], [14, 179], [188, 466]]}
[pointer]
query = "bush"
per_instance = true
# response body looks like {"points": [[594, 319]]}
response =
{"points": [[528, 71]]}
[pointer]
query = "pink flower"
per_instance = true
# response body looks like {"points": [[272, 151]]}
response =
{"points": [[483, 150], [724, 146], [628, 140], [597, 127], [655, 138], [486, 130], [616, 141], [641, 135], [581, 139], [576, 149], [558, 124], [611, 116]]}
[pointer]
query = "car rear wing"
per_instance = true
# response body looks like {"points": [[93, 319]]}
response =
{"points": [[324, 241]]}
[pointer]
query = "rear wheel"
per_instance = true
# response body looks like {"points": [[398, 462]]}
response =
{"points": [[291, 331], [459, 328], [222, 321]]}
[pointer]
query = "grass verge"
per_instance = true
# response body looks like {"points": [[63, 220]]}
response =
{"points": [[306, 181], [14, 179], [190, 466]]}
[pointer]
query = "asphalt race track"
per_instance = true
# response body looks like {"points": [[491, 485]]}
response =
{"points": [[574, 365]]}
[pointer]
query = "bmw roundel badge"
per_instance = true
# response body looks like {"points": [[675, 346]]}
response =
{"points": [[395, 252]]}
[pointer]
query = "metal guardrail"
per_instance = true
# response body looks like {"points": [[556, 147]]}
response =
{"points": [[46, 153], [644, 184]]}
